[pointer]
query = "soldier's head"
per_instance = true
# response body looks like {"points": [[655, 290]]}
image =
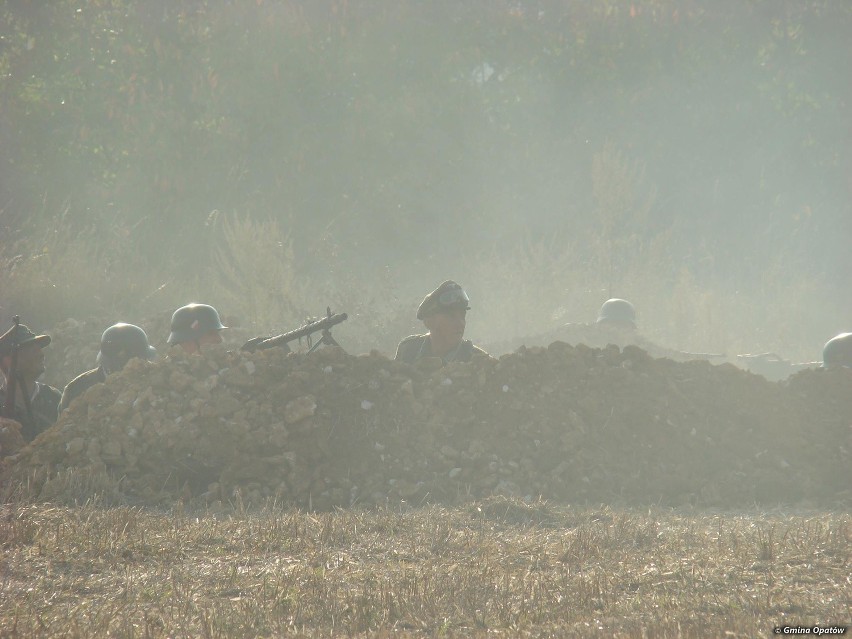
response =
{"points": [[194, 326], [617, 313], [30, 355], [444, 312], [122, 342], [837, 352]]}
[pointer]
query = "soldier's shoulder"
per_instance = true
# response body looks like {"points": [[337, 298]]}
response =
{"points": [[409, 347], [410, 342], [83, 378], [80, 385]]}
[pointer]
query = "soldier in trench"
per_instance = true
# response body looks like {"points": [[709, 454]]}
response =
{"points": [[119, 344], [837, 352], [444, 313], [36, 405], [194, 326]]}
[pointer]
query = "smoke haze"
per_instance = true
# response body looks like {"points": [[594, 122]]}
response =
{"points": [[275, 158]]}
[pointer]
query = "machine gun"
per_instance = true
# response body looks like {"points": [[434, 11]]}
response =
{"points": [[12, 376], [325, 325]]}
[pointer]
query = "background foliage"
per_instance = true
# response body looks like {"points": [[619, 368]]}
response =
{"points": [[548, 154]]}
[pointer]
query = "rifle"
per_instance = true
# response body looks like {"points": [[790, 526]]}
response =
{"points": [[324, 325], [773, 367], [703, 355], [760, 357], [12, 376]]}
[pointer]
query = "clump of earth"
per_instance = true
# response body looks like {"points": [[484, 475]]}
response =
{"points": [[571, 424]]}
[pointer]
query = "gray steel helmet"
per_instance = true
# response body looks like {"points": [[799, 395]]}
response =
{"points": [[122, 342], [618, 311], [838, 351], [192, 321]]}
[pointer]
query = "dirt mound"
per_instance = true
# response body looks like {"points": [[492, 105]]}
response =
{"points": [[598, 336], [570, 424], [769, 365]]}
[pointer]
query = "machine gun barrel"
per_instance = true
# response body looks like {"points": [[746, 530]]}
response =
{"points": [[326, 323]]}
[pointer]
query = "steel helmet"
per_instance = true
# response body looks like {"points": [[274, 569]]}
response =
{"points": [[121, 342], [618, 311], [838, 351], [192, 321]]}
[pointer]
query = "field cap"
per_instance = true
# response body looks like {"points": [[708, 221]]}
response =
{"points": [[447, 296], [25, 336]]}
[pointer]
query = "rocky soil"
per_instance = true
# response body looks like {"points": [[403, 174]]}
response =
{"points": [[768, 365], [573, 424], [599, 336]]}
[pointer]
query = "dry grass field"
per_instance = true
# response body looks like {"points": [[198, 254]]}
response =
{"points": [[498, 567]]}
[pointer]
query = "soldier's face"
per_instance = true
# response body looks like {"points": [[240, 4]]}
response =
{"points": [[447, 325], [210, 337], [30, 361]]}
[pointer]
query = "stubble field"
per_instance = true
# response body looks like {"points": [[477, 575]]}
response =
{"points": [[494, 567]]}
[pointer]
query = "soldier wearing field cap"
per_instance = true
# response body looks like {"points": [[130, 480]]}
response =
{"points": [[194, 326], [35, 405], [444, 313], [119, 344]]}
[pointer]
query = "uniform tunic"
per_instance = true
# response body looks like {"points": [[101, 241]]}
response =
{"points": [[415, 347], [44, 406]]}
